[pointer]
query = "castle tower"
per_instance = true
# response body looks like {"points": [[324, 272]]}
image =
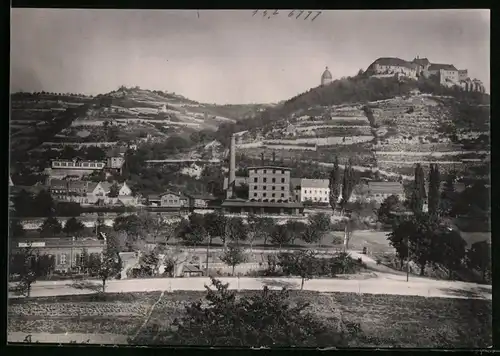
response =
{"points": [[326, 77]]}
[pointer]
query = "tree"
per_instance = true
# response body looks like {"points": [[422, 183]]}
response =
{"points": [[16, 229], [236, 229], [260, 228], [334, 184], [44, 204], [114, 190], [310, 235], [301, 263], [321, 223], [296, 229], [448, 196], [27, 271], [192, 231], [23, 204], [215, 226], [280, 235], [84, 261], [233, 256], [108, 266], [132, 225], [419, 234], [149, 262], [479, 257], [418, 192], [50, 227], [385, 211], [94, 153], [434, 185], [266, 319], [451, 250], [347, 185], [73, 226]]}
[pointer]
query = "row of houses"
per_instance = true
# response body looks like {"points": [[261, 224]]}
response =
{"points": [[91, 193]]}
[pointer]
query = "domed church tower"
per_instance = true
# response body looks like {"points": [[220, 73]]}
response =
{"points": [[326, 78]]}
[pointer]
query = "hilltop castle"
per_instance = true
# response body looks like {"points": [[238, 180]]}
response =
{"points": [[446, 74]]}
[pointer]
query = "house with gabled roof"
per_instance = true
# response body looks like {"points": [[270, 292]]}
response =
{"points": [[379, 191], [173, 200]]}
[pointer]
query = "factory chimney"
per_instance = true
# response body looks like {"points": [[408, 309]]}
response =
{"points": [[262, 158], [232, 167]]}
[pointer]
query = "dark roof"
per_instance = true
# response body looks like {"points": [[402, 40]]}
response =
{"points": [[270, 167], [173, 193], [201, 196], [393, 61], [315, 183], [153, 197], [421, 61], [385, 188], [33, 189], [191, 268], [58, 183], [77, 184], [436, 66], [234, 203]]}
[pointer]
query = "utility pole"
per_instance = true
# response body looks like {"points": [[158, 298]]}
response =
{"points": [[407, 258]]}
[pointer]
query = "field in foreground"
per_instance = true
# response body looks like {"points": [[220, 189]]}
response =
{"points": [[386, 320]]}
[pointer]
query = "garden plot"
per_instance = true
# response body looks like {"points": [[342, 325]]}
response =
{"points": [[386, 320]]}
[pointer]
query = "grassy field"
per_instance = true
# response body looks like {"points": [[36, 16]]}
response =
{"points": [[386, 320]]}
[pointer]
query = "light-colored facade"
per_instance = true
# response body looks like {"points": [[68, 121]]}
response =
{"points": [[66, 251], [269, 183], [326, 77], [77, 164], [173, 200], [314, 190], [379, 191]]}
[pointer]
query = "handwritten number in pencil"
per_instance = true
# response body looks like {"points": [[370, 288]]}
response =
{"points": [[264, 14], [255, 12], [290, 14], [299, 14], [319, 13], [275, 12], [309, 14]]}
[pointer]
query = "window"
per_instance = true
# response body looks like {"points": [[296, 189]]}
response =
{"points": [[282, 188], [282, 180], [273, 195], [92, 165], [63, 164], [56, 164], [282, 195], [255, 187], [255, 180], [264, 180], [254, 194], [264, 194], [63, 258], [263, 187], [274, 180], [85, 164], [282, 171], [274, 171], [265, 171], [274, 188]]}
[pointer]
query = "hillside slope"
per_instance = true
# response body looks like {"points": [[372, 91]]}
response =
{"points": [[131, 115], [384, 124]]}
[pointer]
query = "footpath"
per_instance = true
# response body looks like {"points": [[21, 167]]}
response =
{"points": [[384, 283]]}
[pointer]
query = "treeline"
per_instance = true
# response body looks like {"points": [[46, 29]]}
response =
{"points": [[426, 236]]}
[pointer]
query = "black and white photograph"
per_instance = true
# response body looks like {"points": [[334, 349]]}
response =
{"points": [[274, 178]]}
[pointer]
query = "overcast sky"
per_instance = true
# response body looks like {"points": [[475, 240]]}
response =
{"points": [[229, 56]]}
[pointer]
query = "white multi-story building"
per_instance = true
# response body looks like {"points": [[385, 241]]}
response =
{"points": [[314, 190]]}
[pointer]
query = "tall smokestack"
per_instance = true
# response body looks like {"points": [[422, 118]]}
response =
{"points": [[232, 164]]}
